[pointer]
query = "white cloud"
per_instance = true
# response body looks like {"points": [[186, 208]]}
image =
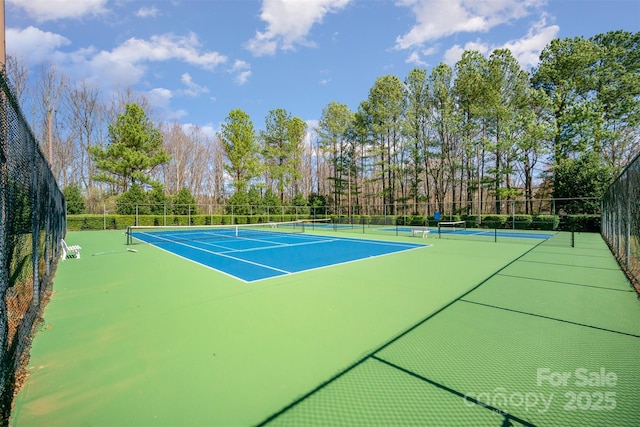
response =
{"points": [[193, 89], [415, 58], [243, 77], [441, 18], [126, 64], [159, 97], [242, 69], [289, 23], [123, 66], [527, 49], [147, 12], [453, 54], [160, 100], [51, 10], [165, 47], [312, 126], [33, 45]]}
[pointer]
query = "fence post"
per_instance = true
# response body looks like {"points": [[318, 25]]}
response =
{"points": [[104, 216], [627, 252], [34, 193]]}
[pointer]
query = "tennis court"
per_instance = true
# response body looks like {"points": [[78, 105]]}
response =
{"points": [[464, 332], [509, 234], [262, 251]]}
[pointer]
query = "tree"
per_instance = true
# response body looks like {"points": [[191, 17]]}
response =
{"points": [[134, 149], [85, 120], [416, 131], [586, 177], [74, 200], [385, 106], [594, 86], [240, 145], [282, 145], [471, 92], [617, 97], [133, 201], [157, 199], [271, 202], [238, 204], [255, 201], [442, 120], [565, 73], [189, 164], [318, 204], [18, 76], [50, 86], [333, 130], [184, 203], [507, 85], [297, 133], [537, 127]]}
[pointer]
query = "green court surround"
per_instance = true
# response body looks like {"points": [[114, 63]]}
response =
{"points": [[148, 338]]}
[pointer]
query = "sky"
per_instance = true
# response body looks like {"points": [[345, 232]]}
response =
{"points": [[197, 60]]}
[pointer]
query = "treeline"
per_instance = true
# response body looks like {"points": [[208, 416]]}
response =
{"points": [[464, 139]]}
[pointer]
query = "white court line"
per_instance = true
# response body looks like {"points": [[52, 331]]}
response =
{"points": [[343, 263], [314, 240], [275, 244], [225, 255], [281, 245]]}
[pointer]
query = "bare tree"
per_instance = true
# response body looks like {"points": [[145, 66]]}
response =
{"points": [[86, 124], [196, 162], [50, 85], [18, 76]]}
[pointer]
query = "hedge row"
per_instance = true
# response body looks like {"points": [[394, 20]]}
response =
{"points": [[584, 223], [121, 222]]}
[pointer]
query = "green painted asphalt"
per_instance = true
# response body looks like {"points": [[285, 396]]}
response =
{"points": [[148, 338]]}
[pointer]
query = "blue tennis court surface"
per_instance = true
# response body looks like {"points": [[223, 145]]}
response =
{"points": [[268, 254]]}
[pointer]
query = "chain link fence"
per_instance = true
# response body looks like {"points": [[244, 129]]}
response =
{"points": [[621, 220], [32, 224], [545, 214]]}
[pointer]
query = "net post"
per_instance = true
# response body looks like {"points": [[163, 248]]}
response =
{"points": [[573, 238], [128, 233]]}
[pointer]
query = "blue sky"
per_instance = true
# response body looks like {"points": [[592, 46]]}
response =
{"points": [[196, 60]]}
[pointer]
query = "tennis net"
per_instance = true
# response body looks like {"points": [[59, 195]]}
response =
{"points": [[451, 226], [160, 234]]}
